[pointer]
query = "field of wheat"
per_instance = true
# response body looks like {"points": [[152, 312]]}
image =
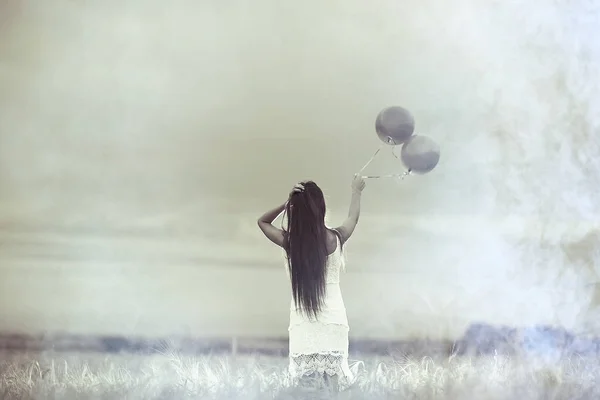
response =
{"points": [[172, 376]]}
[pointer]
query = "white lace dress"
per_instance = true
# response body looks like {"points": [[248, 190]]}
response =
{"points": [[321, 345]]}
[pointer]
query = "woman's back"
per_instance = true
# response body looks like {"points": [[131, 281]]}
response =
{"points": [[333, 309], [335, 261]]}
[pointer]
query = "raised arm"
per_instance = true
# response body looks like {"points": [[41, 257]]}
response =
{"points": [[347, 228], [265, 223]]}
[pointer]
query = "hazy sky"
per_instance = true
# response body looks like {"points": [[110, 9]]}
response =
{"points": [[140, 140]]}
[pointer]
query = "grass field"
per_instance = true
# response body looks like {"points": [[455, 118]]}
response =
{"points": [[171, 376]]}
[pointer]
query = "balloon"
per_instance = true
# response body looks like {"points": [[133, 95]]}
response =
{"points": [[394, 125], [420, 154]]}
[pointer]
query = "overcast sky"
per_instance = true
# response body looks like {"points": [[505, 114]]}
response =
{"points": [[140, 140]]}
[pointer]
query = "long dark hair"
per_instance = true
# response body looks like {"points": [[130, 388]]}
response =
{"points": [[306, 247]]}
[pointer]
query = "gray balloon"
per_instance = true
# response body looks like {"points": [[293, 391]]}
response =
{"points": [[394, 125], [420, 154]]}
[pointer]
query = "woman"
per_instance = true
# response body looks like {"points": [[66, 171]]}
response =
{"points": [[318, 329]]}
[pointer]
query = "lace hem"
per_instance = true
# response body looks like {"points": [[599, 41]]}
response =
{"points": [[329, 362], [326, 362]]}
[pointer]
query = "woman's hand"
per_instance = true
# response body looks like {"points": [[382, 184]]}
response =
{"points": [[298, 188], [358, 184]]}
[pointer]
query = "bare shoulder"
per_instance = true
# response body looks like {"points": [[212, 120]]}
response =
{"points": [[332, 238], [344, 232]]}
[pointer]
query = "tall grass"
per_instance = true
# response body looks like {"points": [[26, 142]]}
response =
{"points": [[172, 376]]}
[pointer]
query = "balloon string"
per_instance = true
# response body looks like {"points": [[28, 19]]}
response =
{"points": [[371, 159], [401, 176], [394, 153]]}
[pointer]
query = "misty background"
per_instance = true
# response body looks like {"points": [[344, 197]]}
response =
{"points": [[141, 140]]}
